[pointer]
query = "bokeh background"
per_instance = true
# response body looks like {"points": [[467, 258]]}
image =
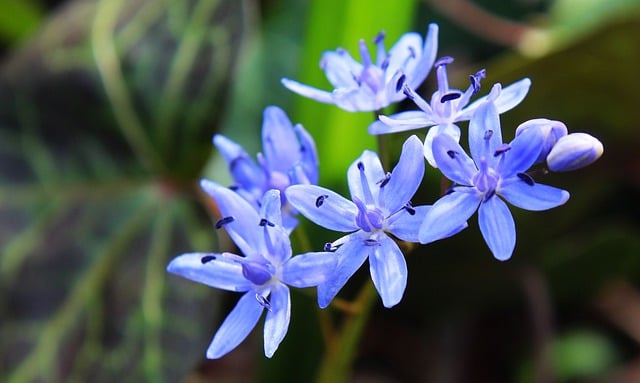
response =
{"points": [[107, 109]]}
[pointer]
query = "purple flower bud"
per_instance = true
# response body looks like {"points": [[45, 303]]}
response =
{"points": [[574, 151]]}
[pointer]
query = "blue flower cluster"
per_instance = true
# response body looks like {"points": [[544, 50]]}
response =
{"points": [[260, 210]]}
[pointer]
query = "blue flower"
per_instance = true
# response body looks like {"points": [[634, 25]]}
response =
{"points": [[371, 85], [289, 157], [447, 107], [380, 204], [262, 274], [496, 171]]}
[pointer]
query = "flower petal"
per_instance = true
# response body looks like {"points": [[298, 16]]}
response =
{"points": [[340, 69], [217, 272], [351, 255], [279, 141], [534, 197], [308, 91], [309, 154], [323, 206], [235, 328], [404, 225], [242, 168], [428, 57], [453, 162], [448, 214], [360, 99], [524, 151], [309, 269], [497, 227], [404, 54], [276, 323], [373, 173], [270, 207], [388, 271], [243, 227], [452, 130], [485, 134], [406, 176], [508, 99], [400, 122]]}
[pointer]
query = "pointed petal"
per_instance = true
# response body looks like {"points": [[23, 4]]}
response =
{"points": [[373, 172], [406, 226], [508, 99], [453, 162], [351, 255], [340, 69], [309, 154], [448, 214], [388, 271], [323, 207], [276, 323], [242, 168], [485, 134], [270, 208], [218, 273], [534, 197], [308, 91], [452, 130], [404, 54], [497, 227], [429, 52], [244, 228], [359, 99], [400, 122], [279, 141], [524, 151], [309, 269], [235, 328], [405, 177]]}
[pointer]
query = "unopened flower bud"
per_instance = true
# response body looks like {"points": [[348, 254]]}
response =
{"points": [[574, 151], [551, 130]]}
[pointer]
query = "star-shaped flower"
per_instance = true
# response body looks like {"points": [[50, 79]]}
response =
{"points": [[379, 206], [263, 274], [497, 171], [289, 157], [447, 107], [371, 86]]}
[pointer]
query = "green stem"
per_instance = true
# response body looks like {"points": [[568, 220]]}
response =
{"points": [[336, 365]]}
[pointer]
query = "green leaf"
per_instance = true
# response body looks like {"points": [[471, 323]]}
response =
{"points": [[105, 124]]}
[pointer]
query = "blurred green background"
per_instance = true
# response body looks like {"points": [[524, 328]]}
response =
{"points": [[107, 109]]}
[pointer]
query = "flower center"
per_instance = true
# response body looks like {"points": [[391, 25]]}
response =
{"points": [[368, 219], [486, 179], [256, 272]]}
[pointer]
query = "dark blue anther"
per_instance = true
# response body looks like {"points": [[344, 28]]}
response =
{"points": [[383, 182], [264, 302], [320, 200], [401, 80], [329, 247], [379, 37], [501, 149], [409, 209], [371, 242], [475, 80], [488, 134], [446, 60], [450, 96], [265, 222], [526, 178], [223, 221], [360, 166], [234, 187], [207, 259], [452, 154]]}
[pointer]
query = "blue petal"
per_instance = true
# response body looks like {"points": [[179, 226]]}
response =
{"points": [[448, 214], [373, 173], [276, 323], [485, 134], [242, 168], [309, 269], [534, 197], [406, 226], [360, 99], [219, 272], [270, 207], [400, 122], [235, 328], [340, 68], [508, 99], [404, 54], [497, 227], [428, 57], [452, 161], [244, 228], [450, 129], [405, 177], [388, 271], [351, 255], [323, 206], [279, 141], [308, 91], [309, 154], [525, 149]]}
